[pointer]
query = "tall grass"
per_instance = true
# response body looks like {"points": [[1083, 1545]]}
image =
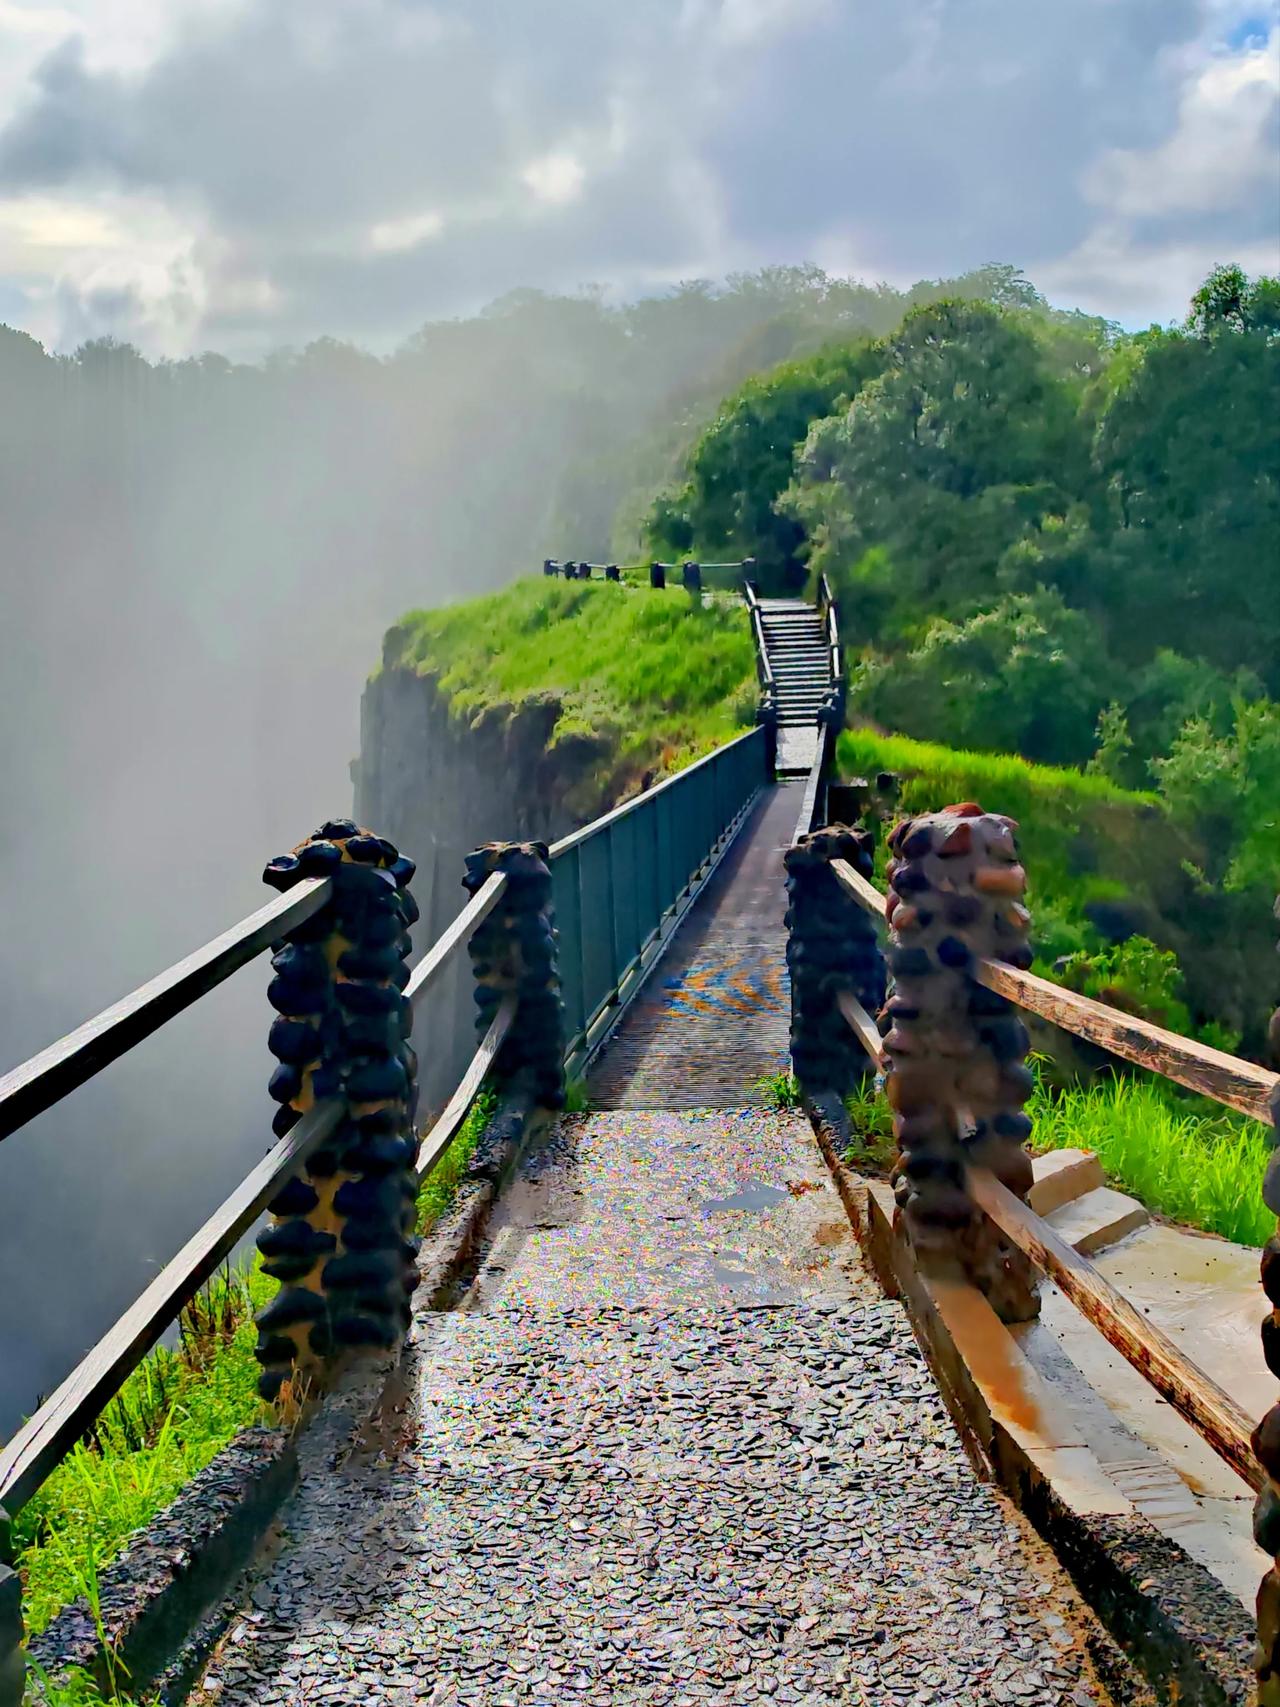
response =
{"points": [[1203, 1169], [172, 1416]]}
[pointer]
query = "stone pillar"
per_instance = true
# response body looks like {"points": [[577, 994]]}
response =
{"points": [[657, 575], [691, 575], [12, 1663], [549, 566], [611, 572], [513, 952], [1266, 1437], [340, 1241], [957, 1077], [569, 570], [831, 946]]}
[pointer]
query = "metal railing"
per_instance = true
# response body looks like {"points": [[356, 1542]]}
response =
{"points": [[621, 884]]}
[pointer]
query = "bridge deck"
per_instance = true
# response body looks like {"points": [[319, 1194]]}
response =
{"points": [[672, 1448]]}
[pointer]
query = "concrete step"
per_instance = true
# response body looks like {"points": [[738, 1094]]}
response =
{"points": [[1097, 1219], [1061, 1177]]}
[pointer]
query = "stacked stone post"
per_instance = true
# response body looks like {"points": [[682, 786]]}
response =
{"points": [[611, 572], [691, 575], [767, 718], [12, 1662], [831, 947], [657, 575], [1266, 1437], [549, 566], [569, 570], [513, 952], [956, 1075], [340, 1242]]}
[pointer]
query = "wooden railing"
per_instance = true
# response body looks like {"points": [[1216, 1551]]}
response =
{"points": [[1241, 1085]]}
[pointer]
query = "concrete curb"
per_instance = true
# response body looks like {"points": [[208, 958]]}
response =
{"points": [[168, 1599], [1191, 1641]]}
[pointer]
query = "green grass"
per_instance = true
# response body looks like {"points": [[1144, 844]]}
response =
{"points": [[172, 1416], [1201, 1168], [639, 678], [437, 1190]]}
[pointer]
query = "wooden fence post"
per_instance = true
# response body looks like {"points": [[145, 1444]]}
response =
{"points": [[513, 952], [1266, 1437], [12, 1661], [832, 947], [340, 1243], [956, 1077]]}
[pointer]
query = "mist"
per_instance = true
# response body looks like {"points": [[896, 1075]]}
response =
{"points": [[197, 562]]}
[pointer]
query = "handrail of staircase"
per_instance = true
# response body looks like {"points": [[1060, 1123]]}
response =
{"points": [[764, 669]]}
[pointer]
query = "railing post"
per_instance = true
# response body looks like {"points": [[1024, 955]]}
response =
{"points": [[611, 572], [340, 1242], [956, 1076], [691, 575], [1266, 1437], [831, 947], [657, 575], [550, 566], [12, 1661], [513, 952]]}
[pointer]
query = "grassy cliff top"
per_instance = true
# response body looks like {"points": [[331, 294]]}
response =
{"points": [[655, 677]]}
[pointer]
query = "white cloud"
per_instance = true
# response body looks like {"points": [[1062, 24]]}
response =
{"points": [[392, 236], [555, 178], [1224, 149]]}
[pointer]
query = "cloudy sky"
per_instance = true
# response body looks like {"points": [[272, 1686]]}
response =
{"points": [[240, 174]]}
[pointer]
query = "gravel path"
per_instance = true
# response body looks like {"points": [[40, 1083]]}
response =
{"points": [[673, 1447], [710, 1468]]}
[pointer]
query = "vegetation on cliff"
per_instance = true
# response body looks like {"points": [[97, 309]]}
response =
{"points": [[631, 680]]}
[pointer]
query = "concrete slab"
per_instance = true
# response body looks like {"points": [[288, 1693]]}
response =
{"points": [[1061, 1176], [1098, 1219]]}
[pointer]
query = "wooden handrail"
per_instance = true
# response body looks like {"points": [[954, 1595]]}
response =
{"points": [[437, 956], [445, 1130], [1236, 1083], [1212, 1412], [46, 1078], [809, 800], [41, 1443]]}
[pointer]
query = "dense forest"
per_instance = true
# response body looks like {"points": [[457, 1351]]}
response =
{"points": [[1049, 539]]}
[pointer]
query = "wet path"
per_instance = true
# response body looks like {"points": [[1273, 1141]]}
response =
{"points": [[673, 1448]]}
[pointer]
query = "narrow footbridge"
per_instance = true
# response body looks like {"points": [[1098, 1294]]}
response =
{"points": [[671, 1407]]}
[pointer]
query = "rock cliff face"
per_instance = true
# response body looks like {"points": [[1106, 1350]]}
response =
{"points": [[439, 787]]}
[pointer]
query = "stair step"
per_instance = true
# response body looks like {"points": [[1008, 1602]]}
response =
{"points": [[1061, 1177], [1097, 1219]]}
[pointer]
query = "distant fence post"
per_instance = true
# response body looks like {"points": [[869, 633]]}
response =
{"points": [[691, 576], [12, 1662], [513, 952], [611, 572], [767, 718], [569, 570], [1266, 1437], [956, 1076], [550, 566], [657, 575], [340, 1240], [831, 947]]}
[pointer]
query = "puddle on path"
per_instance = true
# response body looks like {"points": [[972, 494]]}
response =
{"points": [[754, 1197]]}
